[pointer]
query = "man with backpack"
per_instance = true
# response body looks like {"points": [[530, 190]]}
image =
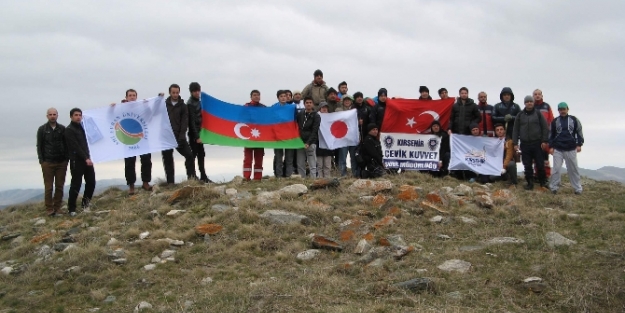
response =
{"points": [[530, 127], [566, 140]]}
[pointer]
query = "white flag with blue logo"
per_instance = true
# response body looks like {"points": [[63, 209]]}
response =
{"points": [[128, 129], [482, 155]]}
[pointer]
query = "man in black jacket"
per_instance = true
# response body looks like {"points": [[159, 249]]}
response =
{"points": [[444, 150], [308, 122], [364, 114], [505, 112], [80, 162], [463, 114], [530, 127], [371, 152], [179, 120], [52, 154], [377, 114], [194, 107]]}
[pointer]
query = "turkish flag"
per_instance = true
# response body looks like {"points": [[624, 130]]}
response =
{"points": [[410, 116]]}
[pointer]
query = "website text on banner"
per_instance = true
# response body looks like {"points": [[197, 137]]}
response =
{"points": [[410, 151], [482, 155], [128, 129]]}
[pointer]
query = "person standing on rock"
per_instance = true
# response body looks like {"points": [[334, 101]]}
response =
{"points": [[505, 112], [371, 152], [52, 154], [194, 106], [317, 89], [530, 127], [253, 157], [308, 122], [179, 120], [80, 162], [463, 113], [324, 156], [566, 140]]}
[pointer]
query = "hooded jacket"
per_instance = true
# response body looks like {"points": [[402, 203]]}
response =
{"points": [[194, 107], [445, 148], [502, 109], [178, 118], [530, 127], [76, 140], [51, 145], [316, 91], [463, 115]]}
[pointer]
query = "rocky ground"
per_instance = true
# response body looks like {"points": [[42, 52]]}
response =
{"points": [[407, 243]]}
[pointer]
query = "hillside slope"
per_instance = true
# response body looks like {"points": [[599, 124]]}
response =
{"points": [[466, 248]]}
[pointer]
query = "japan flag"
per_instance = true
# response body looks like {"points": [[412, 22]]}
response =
{"points": [[338, 130]]}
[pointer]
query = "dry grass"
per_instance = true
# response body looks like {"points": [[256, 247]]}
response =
{"points": [[254, 269]]}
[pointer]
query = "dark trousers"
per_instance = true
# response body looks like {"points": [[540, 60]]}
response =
{"points": [[79, 169], [198, 153], [530, 154], [168, 161], [53, 180], [146, 169]]}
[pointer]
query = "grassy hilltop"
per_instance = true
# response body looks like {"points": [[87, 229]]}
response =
{"points": [[466, 248]]}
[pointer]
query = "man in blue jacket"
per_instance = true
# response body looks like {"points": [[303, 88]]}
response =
{"points": [[566, 140]]}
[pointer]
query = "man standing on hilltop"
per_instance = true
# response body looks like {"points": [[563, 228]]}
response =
{"points": [[545, 109], [80, 162], [317, 89], [52, 154], [486, 112], [282, 156], [253, 155], [194, 106], [566, 140], [531, 128], [179, 120], [463, 113], [505, 112]]}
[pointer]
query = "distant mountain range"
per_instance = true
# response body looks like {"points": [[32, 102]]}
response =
{"points": [[605, 173]]}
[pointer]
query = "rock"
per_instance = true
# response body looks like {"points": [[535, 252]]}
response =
{"points": [[503, 196], [416, 285], [534, 284], [470, 248], [468, 220], [62, 246], [455, 266], [362, 247], [608, 253], [117, 254], [7, 270], [396, 240], [154, 214], [366, 199], [267, 197], [399, 252], [110, 299], [293, 190], [149, 267], [38, 239], [220, 189], [231, 192], [208, 229], [323, 242], [408, 193], [447, 190], [437, 198], [144, 235], [237, 180], [351, 224], [102, 212], [10, 236], [184, 193], [73, 269], [283, 217], [532, 279], [573, 215], [173, 242], [484, 201], [376, 263], [175, 212], [206, 281], [113, 242], [436, 219], [369, 187], [385, 221], [379, 200], [455, 295], [443, 237], [120, 261], [346, 235], [365, 213], [143, 306], [555, 240], [44, 251], [93, 310], [17, 241], [336, 219], [308, 254], [323, 183], [429, 206], [188, 304], [40, 222], [156, 260], [503, 240], [167, 253], [463, 190], [220, 207]]}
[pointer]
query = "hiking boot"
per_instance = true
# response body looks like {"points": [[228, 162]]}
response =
{"points": [[131, 190], [530, 185], [146, 186]]}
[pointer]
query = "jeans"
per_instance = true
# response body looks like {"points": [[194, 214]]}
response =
{"points": [[343, 161], [287, 156], [79, 169], [533, 153]]}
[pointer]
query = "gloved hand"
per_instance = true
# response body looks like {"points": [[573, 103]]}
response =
{"points": [[503, 171], [508, 117]]}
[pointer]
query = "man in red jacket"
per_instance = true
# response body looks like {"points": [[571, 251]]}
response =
{"points": [[545, 109], [486, 111], [253, 155]]}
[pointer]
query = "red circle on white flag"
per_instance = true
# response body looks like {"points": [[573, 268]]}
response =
{"points": [[338, 129]]}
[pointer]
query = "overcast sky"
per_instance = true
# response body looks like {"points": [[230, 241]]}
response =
{"points": [[87, 53]]}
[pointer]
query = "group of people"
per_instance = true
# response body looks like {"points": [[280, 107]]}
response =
{"points": [[539, 134]]}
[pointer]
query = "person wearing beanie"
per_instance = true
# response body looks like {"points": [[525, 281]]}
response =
{"points": [[297, 101], [377, 114], [463, 113], [424, 93], [253, 157], [332, 100], [324, 156], [317, 89], [443, 94], [530, 127], [566, 140], [194, 106], [282, 158], [364, 112], [486, 112], [505, 112], [444, 153], [475, 130], [371, 152], [544, 108], [342, 89]]}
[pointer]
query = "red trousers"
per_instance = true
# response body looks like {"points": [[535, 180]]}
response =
{"points": [[255, 155]]}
